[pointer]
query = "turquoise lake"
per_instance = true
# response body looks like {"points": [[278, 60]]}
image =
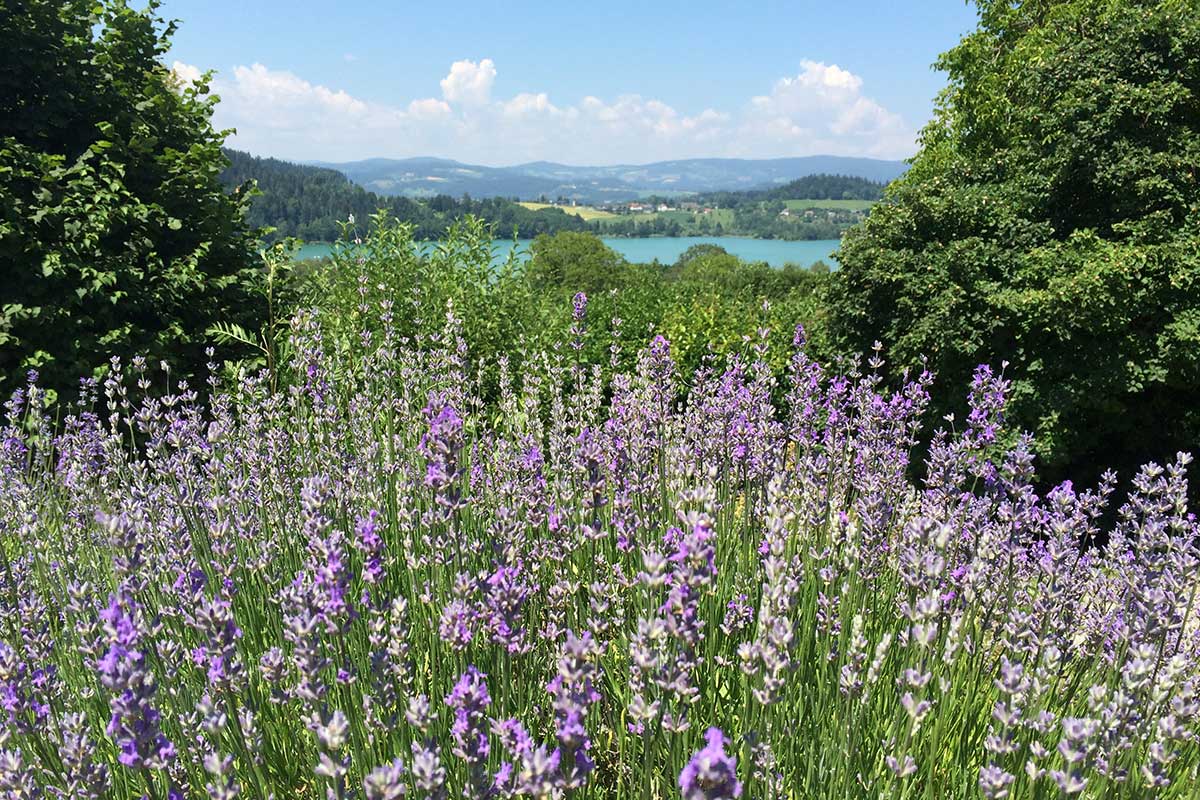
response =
{"points": [[667, 250]]}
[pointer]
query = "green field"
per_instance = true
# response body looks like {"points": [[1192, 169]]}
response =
{"points": [[838, 205], [721, 215], [587, 213]]}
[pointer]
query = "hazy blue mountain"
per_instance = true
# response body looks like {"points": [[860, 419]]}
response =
{"points": [[425, 177]]}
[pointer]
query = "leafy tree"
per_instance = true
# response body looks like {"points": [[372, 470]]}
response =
{"points": [[700, 250], [115, 234], [1051, 219], [573, 261]]}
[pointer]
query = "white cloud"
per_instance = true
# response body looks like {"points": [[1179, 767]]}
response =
{"points": [[821, 109], [824, 105], [186, 74], [527, 103], [429, 108], [283, 90], [469, 83]]}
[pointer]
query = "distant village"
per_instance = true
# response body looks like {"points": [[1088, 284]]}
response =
{"points": [[633, 206], [651, 207]]}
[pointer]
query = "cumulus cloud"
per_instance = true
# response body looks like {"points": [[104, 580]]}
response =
{"points": [[468, 83], [824, 105], [821, 109], [527, 103], [186, 74], [429, 108]]}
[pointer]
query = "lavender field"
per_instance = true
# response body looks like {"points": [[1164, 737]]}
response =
{"points": [[368, 582]]}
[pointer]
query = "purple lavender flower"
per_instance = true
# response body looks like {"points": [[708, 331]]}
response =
{"points": [[134, 724], [218, 656], [738, 615], [711, 774], [21, 697], [18, 777], [578, 312], [441, 446], [574, 694], [507, 591], [536, 772], [469, 698], [371, 545]]}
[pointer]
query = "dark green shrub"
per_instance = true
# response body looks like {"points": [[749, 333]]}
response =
{"points": [[1051, 220], [115, 234]]}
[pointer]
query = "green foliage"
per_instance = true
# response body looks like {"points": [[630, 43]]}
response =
{"points": [[574, 260], [307, 202], [418, 284], [1052, 219], [719, 301], [710, 302], [702, 250], [115, 234], [269, 345]]}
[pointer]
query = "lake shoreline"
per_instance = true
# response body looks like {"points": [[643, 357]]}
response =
{"points": [[324, 243], [667, 249]]}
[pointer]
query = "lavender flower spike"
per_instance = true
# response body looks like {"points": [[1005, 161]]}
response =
{"points": [[135, 721], [711, 774], [470, 699]]}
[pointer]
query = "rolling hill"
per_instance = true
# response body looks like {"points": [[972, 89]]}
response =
{"points": [[427, 177]]}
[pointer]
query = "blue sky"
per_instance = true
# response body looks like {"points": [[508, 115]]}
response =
{"points": [[600, 82]]}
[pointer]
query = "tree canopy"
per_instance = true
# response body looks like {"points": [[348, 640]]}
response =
{"points": [[115, 233], [1052, 220]]}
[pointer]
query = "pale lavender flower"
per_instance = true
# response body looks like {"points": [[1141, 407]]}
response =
{"points": [[85, 777], [386, 782], [470, 700], [429, 776], [458, 622], [574, 694]]}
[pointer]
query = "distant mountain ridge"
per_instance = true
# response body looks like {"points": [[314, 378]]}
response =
{"points": [[428, 176]]}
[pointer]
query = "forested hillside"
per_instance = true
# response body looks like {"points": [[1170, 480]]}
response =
{"points": [[307, 202], [810, 187]]}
